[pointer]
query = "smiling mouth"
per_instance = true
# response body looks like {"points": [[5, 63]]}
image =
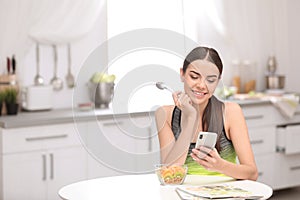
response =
{"points": [[199, 94]]}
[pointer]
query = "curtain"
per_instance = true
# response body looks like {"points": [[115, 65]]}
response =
{"points": [[45, 21]]}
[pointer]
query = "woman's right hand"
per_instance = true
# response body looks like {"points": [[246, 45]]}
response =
{"points": [[184, 103]]}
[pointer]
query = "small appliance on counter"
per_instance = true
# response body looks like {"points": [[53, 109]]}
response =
{"points": [[274, 82], [36, 98]]}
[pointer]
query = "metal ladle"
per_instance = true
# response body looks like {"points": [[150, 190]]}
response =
{"points": [[69, 77], [56, 82], [38, 79]]}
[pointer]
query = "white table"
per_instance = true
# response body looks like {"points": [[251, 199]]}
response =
{"points": [[144, 186]]}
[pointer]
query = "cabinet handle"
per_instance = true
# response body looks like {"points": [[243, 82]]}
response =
{"points": [[257, 142], [295, 168], [254, 117], [44, 167], [31, 139], [113, 123], [51, 166], [260, 174], [149, 140]]}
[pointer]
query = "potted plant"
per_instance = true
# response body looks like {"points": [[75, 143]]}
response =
{"points": [[2, 96], [10, 99]]}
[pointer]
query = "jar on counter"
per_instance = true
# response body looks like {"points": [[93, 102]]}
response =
{"points": [[236, 78], [244, 76]]}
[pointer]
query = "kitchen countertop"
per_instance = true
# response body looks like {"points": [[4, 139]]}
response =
{"points": [[247, 102], [57, 116], [69, 115]]}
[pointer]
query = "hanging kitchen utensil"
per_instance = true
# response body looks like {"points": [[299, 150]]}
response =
{"points": [[69, 77], [13, 64], [56, 82], [38, 79]]}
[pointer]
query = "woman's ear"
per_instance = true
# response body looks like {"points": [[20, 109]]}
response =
{"points": [[181, 75]]}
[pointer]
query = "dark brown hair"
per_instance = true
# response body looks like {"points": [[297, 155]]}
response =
{"points": [[203, 53], [212, 119]]}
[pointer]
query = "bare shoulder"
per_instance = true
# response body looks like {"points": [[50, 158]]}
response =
{"points": [[232, 107], [233, 110], [235, 123], [164, 114], [164, 109]]}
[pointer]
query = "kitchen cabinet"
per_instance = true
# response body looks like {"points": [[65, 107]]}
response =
{"points": [[262, 140], [287, 138], [274, 141], [288, 155], [262, 133], [104, 139], [39, 158], [287, 170], [24, 176], [146, 143], [122, 145], [37, 161], [68, 166]]}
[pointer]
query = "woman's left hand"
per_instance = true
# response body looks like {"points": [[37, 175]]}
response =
{"points": [[210, 160]]}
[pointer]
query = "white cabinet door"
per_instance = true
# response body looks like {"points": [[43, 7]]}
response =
{"points": [[65, 166], [97, 169], [38, 161], [122, 145], [24, 176], [39, 175], [265, 166], [146, 142], [110, 148], [263, 139]]}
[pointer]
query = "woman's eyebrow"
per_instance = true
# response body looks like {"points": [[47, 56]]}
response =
{"points": [[210, 76], [195, 73]]}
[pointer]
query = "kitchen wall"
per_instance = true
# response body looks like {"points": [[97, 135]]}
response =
{"points": [[253, 30], [292, 67], [240, 30], [250, 30], [80, 49]]}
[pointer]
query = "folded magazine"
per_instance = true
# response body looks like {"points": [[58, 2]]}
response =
{"points": [[219, 191]]}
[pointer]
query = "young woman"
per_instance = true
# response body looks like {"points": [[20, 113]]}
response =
{"points": [[197, 109]]}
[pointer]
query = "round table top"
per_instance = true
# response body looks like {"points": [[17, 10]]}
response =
{"points": [[145, 186]]}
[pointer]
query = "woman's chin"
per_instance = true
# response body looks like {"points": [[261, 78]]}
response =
{"points": [[199, 99]]}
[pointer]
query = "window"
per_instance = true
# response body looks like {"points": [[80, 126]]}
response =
{"points": [[138, 63]]}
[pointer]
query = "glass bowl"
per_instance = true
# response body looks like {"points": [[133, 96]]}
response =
{"points": [[171, 174]]}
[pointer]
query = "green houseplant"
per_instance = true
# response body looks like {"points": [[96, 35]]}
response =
{"points": [[2, 97], [10, 99]]}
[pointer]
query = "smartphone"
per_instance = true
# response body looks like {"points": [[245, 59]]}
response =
{"points": [[207, 139]]}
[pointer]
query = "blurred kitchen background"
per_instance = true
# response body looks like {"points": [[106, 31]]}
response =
{"points": [[242, 31], [56, 38]]}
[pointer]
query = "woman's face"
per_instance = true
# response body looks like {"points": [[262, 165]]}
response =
{"points": [[200, 80]]}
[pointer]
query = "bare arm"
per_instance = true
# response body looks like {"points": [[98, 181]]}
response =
{"points": [[235, 125], [238, 133], [175, 151]]}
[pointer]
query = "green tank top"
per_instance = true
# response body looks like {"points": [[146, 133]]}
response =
{"points": [[228, 153], [226, 149]]}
